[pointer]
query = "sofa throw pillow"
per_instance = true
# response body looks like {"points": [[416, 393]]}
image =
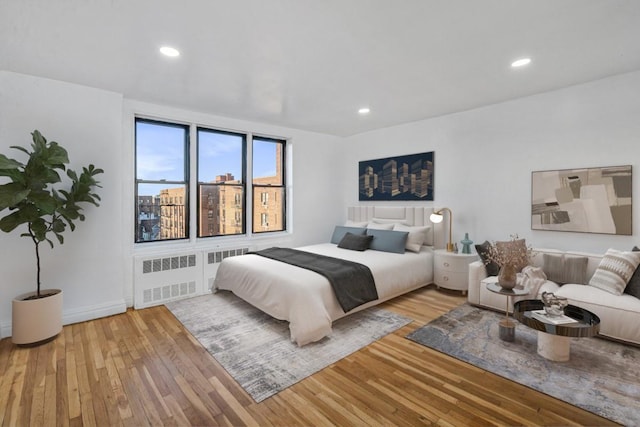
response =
{"points": [[552, 265], [355, 242], [633, 287], [339, 231], [575, 269], [615, 271], [388, 240], [514, 245], [563, 268], [483, 249], [417, 236]]}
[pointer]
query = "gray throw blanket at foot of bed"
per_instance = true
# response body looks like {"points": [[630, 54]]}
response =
{"points": [[352, 282]]}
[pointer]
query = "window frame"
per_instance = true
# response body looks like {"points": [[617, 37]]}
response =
{"points": [[243, 184], [186, 183], [190, 223], [255, 188]]}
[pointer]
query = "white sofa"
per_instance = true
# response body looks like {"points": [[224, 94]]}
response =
{"points": [[619, 315]]}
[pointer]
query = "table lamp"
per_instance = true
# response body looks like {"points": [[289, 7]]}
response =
{"points": [[437, 217]]}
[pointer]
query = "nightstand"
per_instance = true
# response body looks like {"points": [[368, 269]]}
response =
{"points": [[451, 270]]}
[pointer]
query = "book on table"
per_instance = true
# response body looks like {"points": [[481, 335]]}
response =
{"points": [[556, 320]]}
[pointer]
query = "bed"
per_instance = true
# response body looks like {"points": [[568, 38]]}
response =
{"points": [[306, 299]]}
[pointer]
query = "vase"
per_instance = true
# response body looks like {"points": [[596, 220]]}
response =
{"points": [[466, 244], [507, 276]]}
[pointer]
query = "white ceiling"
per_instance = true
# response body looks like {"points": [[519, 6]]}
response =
{"points": [[310, 64]]}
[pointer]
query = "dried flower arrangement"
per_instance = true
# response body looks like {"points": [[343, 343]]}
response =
{"points": [[514, 252]]}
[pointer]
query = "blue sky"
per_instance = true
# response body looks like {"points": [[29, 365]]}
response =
{"points": [[160, 155]]}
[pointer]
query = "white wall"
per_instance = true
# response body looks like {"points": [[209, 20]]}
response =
{"points": [[483, 162], [87, 122], [484, 157], [94, 266]]}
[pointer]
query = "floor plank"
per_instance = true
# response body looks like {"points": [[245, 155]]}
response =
{"points": [[143, 368]]}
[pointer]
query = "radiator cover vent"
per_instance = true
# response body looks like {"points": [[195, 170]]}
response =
{"points": [[169, 263], [218, 256], [159, 279]]}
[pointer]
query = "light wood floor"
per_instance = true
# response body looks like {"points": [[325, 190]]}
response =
{"points": [[143, 368]]}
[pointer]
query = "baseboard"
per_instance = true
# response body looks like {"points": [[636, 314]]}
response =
{"points": [[81, 314], [97, 311], [128, 300]]}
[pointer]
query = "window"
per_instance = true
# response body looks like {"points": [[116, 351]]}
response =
{"points": [[221, 172], [221, 197], [161, 179], [268, 181]]}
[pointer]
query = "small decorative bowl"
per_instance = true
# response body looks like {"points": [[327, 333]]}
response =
{"points": [[554, 305]]}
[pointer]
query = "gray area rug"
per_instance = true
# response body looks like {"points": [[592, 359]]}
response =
{"points": [[601, 376], [256, 349]]}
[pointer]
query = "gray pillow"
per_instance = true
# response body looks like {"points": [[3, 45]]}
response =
{"points": [[388, 240], [575, 269], [563, 268], [553, 267], [633, 287], [340, 230], [355, 242]]}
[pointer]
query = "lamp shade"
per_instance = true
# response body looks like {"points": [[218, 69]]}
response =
{"points": [[436, 218]]}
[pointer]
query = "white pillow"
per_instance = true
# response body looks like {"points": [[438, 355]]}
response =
{"points": [[377, 226], [417, 236], [360, 224], [615, 271], [389, 221]]}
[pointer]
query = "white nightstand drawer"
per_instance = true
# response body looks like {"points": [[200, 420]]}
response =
{"points": [[456, 280], [453, 263]]}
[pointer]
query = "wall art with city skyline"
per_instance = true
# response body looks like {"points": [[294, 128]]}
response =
{"points": [[407, 177]]}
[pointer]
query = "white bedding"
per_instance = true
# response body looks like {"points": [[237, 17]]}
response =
{"points": [[305, 298]]}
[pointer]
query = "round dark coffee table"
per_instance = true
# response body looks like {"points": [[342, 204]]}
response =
{"points": [[554, 339]]}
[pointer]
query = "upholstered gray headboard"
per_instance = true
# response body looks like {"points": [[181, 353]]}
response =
{"points": [[408, 215]]}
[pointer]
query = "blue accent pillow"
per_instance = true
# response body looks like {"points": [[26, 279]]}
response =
{"points": [[388, 240], [340, 230]]}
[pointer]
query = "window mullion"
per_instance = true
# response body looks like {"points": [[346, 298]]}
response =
{"points": [[192, 179], [249, 193]]}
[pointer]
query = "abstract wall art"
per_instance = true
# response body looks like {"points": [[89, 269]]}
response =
{"points": [[589, 200], [408, 177]]}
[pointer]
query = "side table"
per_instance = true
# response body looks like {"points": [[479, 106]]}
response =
{"points": [[451, 270], [507, 327]]}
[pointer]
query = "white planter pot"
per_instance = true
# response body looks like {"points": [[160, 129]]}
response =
{"points": [[36, 320]]}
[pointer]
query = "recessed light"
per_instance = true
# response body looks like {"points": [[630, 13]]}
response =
{"points": [[364, 110], [521, 62], [169, 51]]}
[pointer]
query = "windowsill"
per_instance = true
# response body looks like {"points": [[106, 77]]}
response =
{"points": [[220, 242]]}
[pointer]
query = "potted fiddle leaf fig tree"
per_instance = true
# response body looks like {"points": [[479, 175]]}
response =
{"points": [[36, 198]]}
